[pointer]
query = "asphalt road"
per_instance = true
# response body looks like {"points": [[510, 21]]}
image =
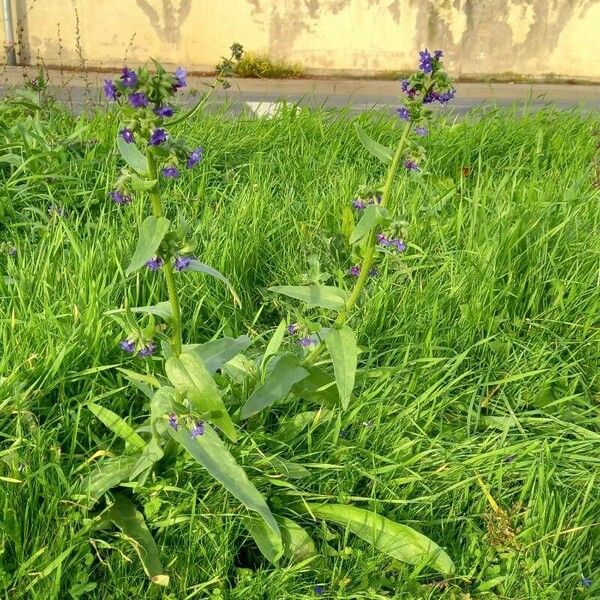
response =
{"points": [[261, 97]]}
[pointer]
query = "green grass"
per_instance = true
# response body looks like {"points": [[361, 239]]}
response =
{"points": [[480, 354]]}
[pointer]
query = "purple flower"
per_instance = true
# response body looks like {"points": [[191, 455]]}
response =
{"points": [[148, 350], [127, 135], [127, 346], [421, 131], [198, 429], [438, 54], [586, 582], [164, 111], [399, 245], [129, 78], [138, 100], [180, 75], [194, 158], [158, 136], [170, 172], [110, 90], [405, 85], [155, 263], [319, 590], [354, 271], [305, 342], [403, 113], [292, 328], [411, 165], [173, 421], [446, 96], [381, 239], [182, 262], [425, 64], [119, 197], [358, 204]]}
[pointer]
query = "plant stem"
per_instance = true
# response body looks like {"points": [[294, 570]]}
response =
{"points": [[157, 211], [369, 246]]}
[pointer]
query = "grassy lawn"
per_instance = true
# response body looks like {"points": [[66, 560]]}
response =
{"points": [[475, 417]]}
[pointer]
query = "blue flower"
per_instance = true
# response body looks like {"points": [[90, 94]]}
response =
{"points": [[138, 100], [306, 341], [129, 78], [155, 263], [292, 328], [421, 131], [198, 429], [358, 204], [403, 113], [170, 172], [119, 197], [173, 421], [127, 346], [438, 54], [426, 64], [586, 582], [127, 135], [180, 78], [158, 136], [164, 111], [319, 590], [182, 262], [194, 158], [110, 90], [411, 165], [354, 271], [148, 350]]}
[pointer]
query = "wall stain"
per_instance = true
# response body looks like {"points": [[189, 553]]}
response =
{"points": [[172, 19]]}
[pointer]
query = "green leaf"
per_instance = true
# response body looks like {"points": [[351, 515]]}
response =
{"points": [[383, 153], [319, 387], [216, 353], [190, 377], [132, 156], [210, 451], [341, 344], [274, 343], [277, 385], [142, 185], [268, 541], [373, 216], [150, 454], [117, 425], [162, 310], [196, 265], [398, 541], [152, 231], [297, 544], [325, 296], [161, 403], [107, 475], [130, 521]]}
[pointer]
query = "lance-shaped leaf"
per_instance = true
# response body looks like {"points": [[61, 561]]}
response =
{"points": [[131, 522], [107, 475], [394, 539], [209, 450], [277, 385], [196, 265], [373, 216], [274, 343], [132, 156], [268, 541], [325, 296], [117, 425], [341, 344], [216, 353], [190, 377], [152, 231], [297, 544], [383, 153]]}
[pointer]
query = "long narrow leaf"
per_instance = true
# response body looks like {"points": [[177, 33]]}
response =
{"points": [[341, 344], [152, 231], [117, 425]]}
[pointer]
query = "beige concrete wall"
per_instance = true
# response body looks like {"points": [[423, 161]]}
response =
{"points": [[529, 37]]}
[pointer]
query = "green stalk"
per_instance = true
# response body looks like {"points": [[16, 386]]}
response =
{"points": [[157, 211], [370, 246]]}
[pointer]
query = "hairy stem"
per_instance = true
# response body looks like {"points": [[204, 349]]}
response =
{"points": [[157, 211], [369, 247]]}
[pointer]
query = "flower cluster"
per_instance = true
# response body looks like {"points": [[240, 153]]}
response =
{"points": [[395, 244], [144, 100], [429, 84], [181, 263], [142, 349], [362, 203], [196, 431], [304, 340]]}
